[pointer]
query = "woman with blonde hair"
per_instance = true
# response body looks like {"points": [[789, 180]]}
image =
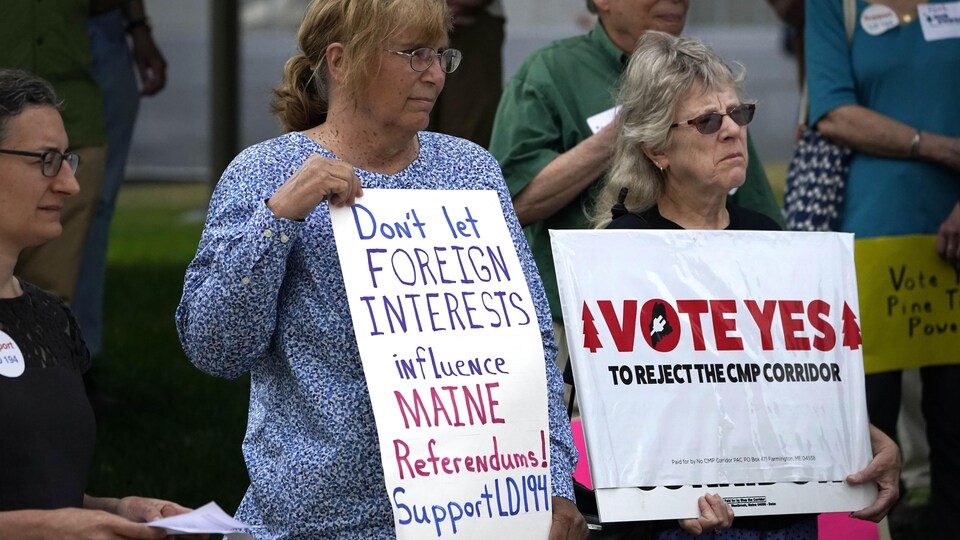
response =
{"points": [[682, 147], [679, 167], [265, 294]]}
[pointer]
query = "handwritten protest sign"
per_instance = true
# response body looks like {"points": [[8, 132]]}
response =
{"points": [[453, 357], [910, 301], [729, 359]]}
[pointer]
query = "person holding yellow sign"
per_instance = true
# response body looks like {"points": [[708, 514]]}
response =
{"points": [[948, 238], [889, 94]]}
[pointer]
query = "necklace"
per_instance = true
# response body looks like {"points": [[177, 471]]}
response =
{"points": [[908, 16]]}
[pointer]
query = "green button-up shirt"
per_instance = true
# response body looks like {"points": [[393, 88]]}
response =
{"points": [[49, 39], [543, 113]]}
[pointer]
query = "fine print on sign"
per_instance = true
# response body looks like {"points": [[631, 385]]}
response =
{"points": [[910, 302], [453, 357], [705, 361]]}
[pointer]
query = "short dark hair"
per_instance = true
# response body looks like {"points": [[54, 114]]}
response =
{"points": [[591, 7], [20, 89]]}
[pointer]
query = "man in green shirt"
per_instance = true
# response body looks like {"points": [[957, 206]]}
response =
{"points": [[49, 39], [551, 159]]}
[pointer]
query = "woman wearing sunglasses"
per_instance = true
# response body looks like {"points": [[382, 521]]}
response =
{"points": [[681, 149], [683, 141]]}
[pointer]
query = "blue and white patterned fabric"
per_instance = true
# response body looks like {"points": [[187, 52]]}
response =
{"points": [[816, 176], [266, 296]]}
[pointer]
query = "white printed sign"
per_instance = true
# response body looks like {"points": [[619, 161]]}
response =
{"points": [[454, 361], [715, 358]]}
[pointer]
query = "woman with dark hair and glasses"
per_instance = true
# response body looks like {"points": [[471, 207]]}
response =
{"points": [[46, 422], [681, 148], [265, 293]]}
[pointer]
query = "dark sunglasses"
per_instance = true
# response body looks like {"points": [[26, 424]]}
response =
{"points": [[50, 161], [710, 123]]}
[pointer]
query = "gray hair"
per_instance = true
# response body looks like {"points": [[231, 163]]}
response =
{"points": [[20, 89], [663, 71]]}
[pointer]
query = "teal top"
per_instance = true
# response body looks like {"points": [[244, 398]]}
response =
{"points": [[903, 76], [543, 113], [49, 38]]}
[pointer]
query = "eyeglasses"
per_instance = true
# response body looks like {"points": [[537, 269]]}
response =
{"points": [[50, 161], [710, 123], [421, 59]]}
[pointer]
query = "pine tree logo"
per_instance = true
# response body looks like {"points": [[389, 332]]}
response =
{"points": [[851, 329], [591, 340]]}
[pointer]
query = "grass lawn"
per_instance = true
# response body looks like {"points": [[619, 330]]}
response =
{"points": [[165, 429]]}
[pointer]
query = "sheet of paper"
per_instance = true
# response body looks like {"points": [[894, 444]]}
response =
{"points": [[600, 120], [208, 519], [910, 303]]}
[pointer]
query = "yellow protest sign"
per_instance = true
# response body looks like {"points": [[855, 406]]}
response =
{"points": [[909, 303]]}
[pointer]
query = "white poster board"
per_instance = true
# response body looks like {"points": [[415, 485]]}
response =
{"points": [[453, 358], [715, 358]]}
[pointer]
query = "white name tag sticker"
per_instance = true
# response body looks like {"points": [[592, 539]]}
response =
{"points": [[877, 19], [11, 359], [939, 21]]}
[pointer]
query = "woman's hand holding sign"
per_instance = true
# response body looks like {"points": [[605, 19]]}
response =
{"points": [[715, 513], [568, 522], [318, 179], [948, 238], [884, 469]]}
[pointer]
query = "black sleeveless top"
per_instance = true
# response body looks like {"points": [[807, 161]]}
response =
{"points": [[47, 428]]}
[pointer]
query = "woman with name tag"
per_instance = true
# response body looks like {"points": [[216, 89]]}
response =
{"points": [[890, 94], [265, 294], [47, 426], [681, 148]]}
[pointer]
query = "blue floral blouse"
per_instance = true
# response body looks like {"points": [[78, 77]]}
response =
{"points": [[266, 296]]}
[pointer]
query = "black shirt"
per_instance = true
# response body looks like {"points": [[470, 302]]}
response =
{"points": [[47, 428], [741, 219]]}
